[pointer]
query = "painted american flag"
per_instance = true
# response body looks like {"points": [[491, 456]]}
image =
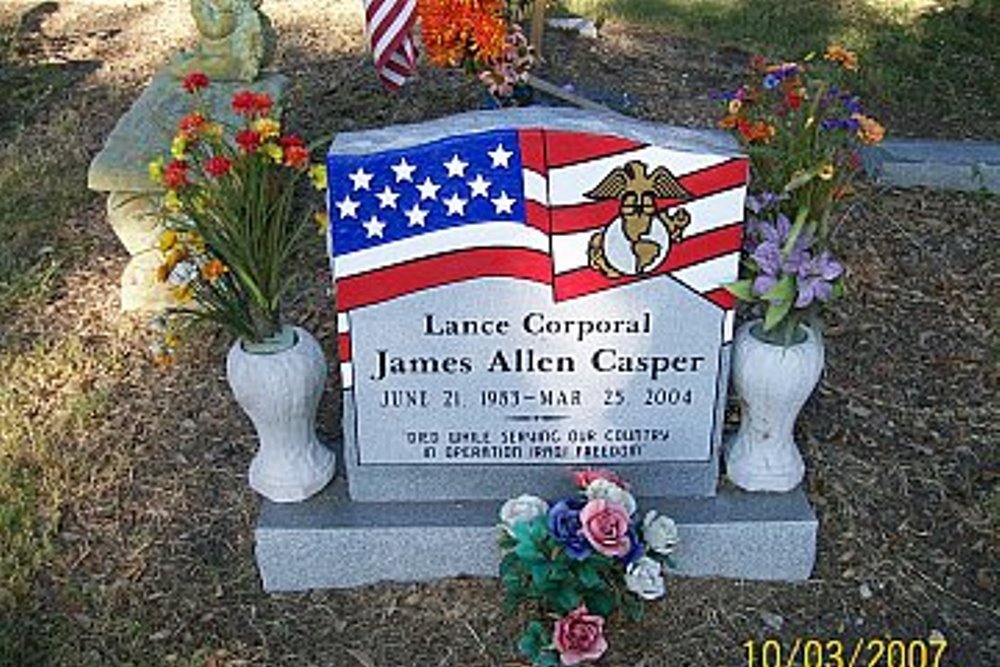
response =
{"points": [[510, 203], [388, 25]]}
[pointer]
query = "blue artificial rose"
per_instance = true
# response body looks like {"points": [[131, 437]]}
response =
{"points": [[637, 551], [564, 526]]}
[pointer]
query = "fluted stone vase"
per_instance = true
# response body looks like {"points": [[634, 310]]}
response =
{"points": [[278, 384], [773, 382]]}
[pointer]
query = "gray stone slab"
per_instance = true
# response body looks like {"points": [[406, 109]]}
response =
{"points": [[145, 131], [970, 166], [333, 542], [555, 118]]}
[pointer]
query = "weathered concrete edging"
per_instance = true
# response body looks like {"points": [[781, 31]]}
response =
{"points": [[970, 166]]}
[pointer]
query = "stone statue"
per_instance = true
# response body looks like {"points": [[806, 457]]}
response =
{"points": [[236, 40]]}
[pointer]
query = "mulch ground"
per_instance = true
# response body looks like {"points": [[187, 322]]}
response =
{"points": [[154, 559]]}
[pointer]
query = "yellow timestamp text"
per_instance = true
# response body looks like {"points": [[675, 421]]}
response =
{"points": [[873, 652]]}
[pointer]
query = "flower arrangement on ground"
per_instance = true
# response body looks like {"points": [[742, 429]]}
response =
{"points": [[481, 37], [802, 128], [230, 227], [578, 559]]}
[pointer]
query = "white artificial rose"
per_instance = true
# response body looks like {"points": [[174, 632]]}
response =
{"points": [[602, 488], [523, 508], [660, 532], [645, 578]]}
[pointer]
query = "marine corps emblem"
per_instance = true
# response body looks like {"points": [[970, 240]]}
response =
{"points": [[639, 239]]}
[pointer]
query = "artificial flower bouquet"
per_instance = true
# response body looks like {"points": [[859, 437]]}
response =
{"points": [[578, 559], [228, 214], [802, 128], [481, 37]]}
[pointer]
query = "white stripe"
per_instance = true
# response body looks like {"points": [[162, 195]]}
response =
{"points": [[397, 27], [481, 235], [343, 324], [397, 79], [711, 274], [727, 325], [534, 186], [567, 184], [569, 251], [379, 16], [346, 375]]}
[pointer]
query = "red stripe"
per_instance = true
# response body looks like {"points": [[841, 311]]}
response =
{"points": [[591, 215], [688, 252], [532, 150], [721, 297], [383, 28], [344, 346], [394, 281], [537, 215], [565, 148]]}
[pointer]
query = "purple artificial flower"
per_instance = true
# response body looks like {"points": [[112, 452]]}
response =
{"points": [[565, 527], [816, 278]]}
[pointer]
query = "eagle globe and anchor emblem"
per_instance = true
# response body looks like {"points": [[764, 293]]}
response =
{"points": [[638, 241]]}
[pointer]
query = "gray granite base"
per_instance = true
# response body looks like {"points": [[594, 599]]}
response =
{"points": [[971, 166], [330, 541]]}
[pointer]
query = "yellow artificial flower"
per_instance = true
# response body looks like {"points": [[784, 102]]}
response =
{"points": [[734, 106], [178, 147], [198, 204], [870, 131], [322, 221], [195, 240], [183, 293], [171, 201], [826, 172], [317, 174], [213, 130], [273, 151], [168, 239], [267, 128], [156, 170]]}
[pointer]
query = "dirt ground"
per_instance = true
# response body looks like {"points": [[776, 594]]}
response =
{"points": [[153, 559]]}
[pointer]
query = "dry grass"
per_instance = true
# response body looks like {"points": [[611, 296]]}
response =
{"points": [[126, 523]]}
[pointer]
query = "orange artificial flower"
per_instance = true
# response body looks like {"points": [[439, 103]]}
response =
{"points": [[296, 157], [456, 30], [213, 269], [838, 54], [189, 125], [870, 131]]}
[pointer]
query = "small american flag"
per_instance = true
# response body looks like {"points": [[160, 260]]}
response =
{"points": [[388, 24]]}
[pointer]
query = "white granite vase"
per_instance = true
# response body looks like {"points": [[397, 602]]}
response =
{"points": [[278, 384], [773, 382]]}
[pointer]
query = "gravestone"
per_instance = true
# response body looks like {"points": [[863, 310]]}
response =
{"points": [[520, 294]]}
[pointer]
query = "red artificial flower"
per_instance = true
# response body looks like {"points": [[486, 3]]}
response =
{"points": [[190, 124], [243, 103], [218, 165], [755, 131], [290, 140], [248, 140], [793, 99], [249, 103], [296, 157], [195, 81], [262, 103], [175, 174]]}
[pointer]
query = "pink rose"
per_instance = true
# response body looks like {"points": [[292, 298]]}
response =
{"points": [[583, 478], [605, 525], [579, 636]]}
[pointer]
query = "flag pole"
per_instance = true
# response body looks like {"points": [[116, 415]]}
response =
{"points": [[537, 26]]}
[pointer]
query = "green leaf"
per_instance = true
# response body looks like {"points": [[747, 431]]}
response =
{"points": [[547, 658], [741, 289], [566, 600], [775, 313], [527, 551], [600, 601], [528, 645], [633, 606], [799, 181], [588, 577], [783, 290]]}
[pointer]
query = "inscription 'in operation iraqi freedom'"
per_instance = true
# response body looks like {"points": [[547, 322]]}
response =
{"points": [[498, 308]]}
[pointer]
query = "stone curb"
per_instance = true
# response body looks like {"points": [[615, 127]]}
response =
{"points": [[968, 166]]}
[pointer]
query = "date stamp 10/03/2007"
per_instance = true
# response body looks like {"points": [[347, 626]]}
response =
{"points": [[861, 652]]}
